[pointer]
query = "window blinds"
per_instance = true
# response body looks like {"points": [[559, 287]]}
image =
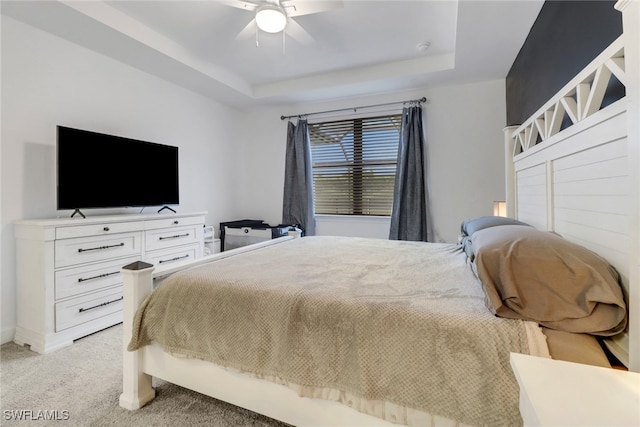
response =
{"points": [[354, 165]]}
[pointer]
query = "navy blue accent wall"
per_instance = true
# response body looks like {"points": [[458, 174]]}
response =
{"points": [[565, 37]]}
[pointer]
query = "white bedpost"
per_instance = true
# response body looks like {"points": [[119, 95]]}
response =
{"points": [[136, 385], [631, 31], [509, 169]]}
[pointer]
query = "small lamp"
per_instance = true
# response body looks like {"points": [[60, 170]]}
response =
{"points": [[499, 208]]}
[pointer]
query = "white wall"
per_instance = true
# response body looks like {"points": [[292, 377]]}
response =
{"points": [[48, 81], [231, 163], [465, 142], [464, 147]]}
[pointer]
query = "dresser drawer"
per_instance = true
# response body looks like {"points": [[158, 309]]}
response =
{"points": [[97, 229], [96, 248], [170, 237], [168, 256], [174, 222], [76, 311], [80, 280]]}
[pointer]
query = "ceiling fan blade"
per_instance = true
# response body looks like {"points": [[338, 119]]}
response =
{"points": [[304, 7], [298, 33], [248, 31], [240, 4]]}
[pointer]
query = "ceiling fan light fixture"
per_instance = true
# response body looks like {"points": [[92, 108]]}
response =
{"points": [[271, 19]]}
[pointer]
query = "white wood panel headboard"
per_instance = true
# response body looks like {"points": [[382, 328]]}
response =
{"points": [[583, 182]]}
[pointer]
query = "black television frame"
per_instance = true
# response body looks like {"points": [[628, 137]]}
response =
{"points": [[96, 170]]}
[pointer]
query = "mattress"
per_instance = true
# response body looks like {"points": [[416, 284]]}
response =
{"points": [[402, 323]]}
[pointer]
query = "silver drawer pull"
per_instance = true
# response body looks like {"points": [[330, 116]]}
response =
{"points": [[174, 236], [99, 276], [174, 259], [100, 305], [100, 247]]}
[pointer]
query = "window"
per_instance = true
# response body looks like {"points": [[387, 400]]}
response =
{"points": [[354, 165]]}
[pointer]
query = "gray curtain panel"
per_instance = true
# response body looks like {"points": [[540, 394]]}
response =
{"points": [[297, 207], [409, 212]]}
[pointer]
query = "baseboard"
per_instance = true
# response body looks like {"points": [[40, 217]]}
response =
{"points": [[7, 335]]}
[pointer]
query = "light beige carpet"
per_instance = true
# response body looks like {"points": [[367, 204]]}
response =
{"points": [[85, 381]]}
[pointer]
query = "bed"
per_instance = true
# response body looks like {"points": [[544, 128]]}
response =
{"points": [[549, 170]]}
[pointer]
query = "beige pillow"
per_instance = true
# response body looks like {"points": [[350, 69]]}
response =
{"points": [[536, 275]]}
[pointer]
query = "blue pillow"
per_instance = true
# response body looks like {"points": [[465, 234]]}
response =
{"points": [[470, 226]]}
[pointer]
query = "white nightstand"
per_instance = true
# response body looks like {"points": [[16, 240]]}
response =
{"points": [[558, 393]]}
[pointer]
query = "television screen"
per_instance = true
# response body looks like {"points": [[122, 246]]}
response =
{"points": [[95, 170]]}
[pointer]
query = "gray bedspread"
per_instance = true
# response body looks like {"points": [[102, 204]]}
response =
{"points": [[403, 322]]}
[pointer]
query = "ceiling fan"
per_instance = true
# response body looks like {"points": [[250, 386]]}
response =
{"points": [[274, 16]]}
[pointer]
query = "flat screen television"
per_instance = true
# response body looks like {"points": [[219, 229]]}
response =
{"points": [[95, 170]]}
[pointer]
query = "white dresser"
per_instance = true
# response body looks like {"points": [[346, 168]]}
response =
{"points": [[69, 283]]}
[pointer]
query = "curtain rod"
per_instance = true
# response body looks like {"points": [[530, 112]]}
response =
{"points": [[416, 101]]}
